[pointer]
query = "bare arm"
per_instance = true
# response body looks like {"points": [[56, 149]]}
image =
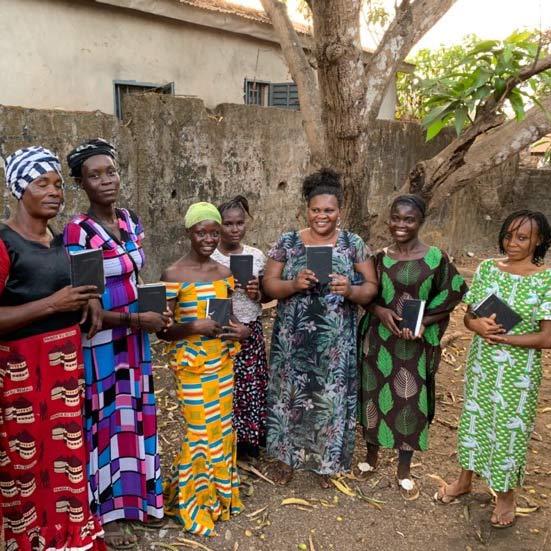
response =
{"points": [[367, 291], [180, 331], [68, 299], [278, 288], [539, 340]]}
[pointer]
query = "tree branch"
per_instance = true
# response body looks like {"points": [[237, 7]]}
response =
{"points": [[303, 76], [410, 24], [496, 147]]}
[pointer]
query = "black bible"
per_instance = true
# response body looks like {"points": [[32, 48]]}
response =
{"points": [[152, 298], [87, 268], [505, 315], [319, 259], [219, 310], [412, 315], [241, 266]]}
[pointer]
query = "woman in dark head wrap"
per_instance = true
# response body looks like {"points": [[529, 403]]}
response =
{"points": [[124, 469], [42, 454]]}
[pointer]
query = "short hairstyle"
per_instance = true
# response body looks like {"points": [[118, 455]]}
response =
{"points": [[544, 232], [413, 201], [237, 202], [322, 182]]}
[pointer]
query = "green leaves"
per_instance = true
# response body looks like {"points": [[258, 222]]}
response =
{"points": [[409, 273], [457, 282], [385, 399], [450, 87], [439, 299], [385, 436], [388, 290], [423, 402], [432, 334], [433, 257], [424, 289], [384, 361], [406, 421], [384, 333], [424, 438], [422, 365]]}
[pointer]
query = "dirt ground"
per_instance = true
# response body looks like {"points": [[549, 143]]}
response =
{"points": [[334, 521]]}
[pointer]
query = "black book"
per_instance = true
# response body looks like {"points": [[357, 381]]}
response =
{"points": [[152, 298], [505, 315], [219, 310], [319, 259], [87, 268], [241, 266], [412, 315]]}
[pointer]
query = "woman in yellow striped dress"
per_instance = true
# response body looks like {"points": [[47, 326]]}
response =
{"points": [[203, 485]]}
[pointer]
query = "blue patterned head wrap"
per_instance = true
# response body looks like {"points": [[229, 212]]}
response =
{"points": [[28, 164]]}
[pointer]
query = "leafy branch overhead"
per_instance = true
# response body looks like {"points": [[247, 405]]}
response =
{"points": [[492, 77]]}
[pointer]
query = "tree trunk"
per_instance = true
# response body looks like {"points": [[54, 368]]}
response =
{"points": [[341, 81]]}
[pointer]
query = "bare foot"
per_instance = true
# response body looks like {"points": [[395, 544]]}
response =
{"points": [[282, 474], [119, 536], [450, 492], [325, 481]]}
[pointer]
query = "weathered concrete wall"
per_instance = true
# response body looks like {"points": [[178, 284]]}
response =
{"points": [[174, 152]]}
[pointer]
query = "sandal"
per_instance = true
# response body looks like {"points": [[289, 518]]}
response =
{"points": [[442, 496], [364, 470], [282, 474], [119, 536], [408, 488], [325, 481], [501, 517], [151, 523]]}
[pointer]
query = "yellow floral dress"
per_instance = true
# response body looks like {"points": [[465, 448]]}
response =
{"points": [[203, 484]]}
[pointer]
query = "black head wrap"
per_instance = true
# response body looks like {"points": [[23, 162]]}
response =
{"points": [[88, 149], [412, 200]]}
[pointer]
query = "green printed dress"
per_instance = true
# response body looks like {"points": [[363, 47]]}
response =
{"points": [[502, 382], [397, 376]]}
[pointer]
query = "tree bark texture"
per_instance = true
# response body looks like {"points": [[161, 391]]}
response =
{"points": [[303, 76]]}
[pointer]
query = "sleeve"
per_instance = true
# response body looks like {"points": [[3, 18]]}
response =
{"points": [[231, 285], [74, 237], [449, 288], [478, 289], [5, 265], [361, 250], [279, 251], [544, 309], [172, 289]]}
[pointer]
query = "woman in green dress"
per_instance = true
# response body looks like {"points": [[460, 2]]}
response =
{"points": [[398, 367], [503, 371]]}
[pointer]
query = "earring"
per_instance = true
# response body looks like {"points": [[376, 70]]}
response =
{"points": [[338, 222]]}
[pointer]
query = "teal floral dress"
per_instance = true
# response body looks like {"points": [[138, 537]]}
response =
{"points": [[397, 390], [502, 382], [312, 388]]}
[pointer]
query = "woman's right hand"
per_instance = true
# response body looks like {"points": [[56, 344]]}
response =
{"points": [[71, 298], [486, 327], [389, 319], [304, 280], [207, 327], [153, 322]]}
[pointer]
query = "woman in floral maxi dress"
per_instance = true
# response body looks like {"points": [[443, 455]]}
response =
{"points": [[503, 371], [312, 388]]}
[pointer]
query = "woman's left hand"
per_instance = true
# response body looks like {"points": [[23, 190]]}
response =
{"points": [[340, 285], [235, 332], [253, 289], [93, 312], [496, 339], [407, 334]]}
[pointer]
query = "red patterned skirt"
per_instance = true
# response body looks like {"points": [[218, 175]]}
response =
{"points": [[43, 486]]}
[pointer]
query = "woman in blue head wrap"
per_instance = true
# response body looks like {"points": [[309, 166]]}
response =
{"points": [[42, 456]]}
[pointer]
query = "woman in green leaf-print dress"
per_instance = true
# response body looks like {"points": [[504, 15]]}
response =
{"points": [[398, 369], [503, 371]]}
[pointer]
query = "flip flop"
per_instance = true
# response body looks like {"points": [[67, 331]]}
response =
{"points": [[502, 516], [325, 481], [119, 531], [408, 488], [440, 498], [282, 474]]}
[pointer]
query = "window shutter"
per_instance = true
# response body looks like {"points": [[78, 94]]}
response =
{"points": [[284, 94]]}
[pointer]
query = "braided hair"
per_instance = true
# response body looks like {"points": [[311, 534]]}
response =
{"points": [[544, 231], [237, 202]]}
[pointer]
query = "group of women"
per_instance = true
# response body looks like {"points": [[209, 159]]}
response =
{"points": [[79, 462]]}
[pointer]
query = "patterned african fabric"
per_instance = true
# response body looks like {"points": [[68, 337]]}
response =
{"points": [[121, 427], [312, 386], [43, 490], [397, 389], [250, 366], [203, 483], [502, 382]]}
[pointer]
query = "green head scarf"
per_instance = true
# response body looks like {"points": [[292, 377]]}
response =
{"points": [[199, 212]]}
